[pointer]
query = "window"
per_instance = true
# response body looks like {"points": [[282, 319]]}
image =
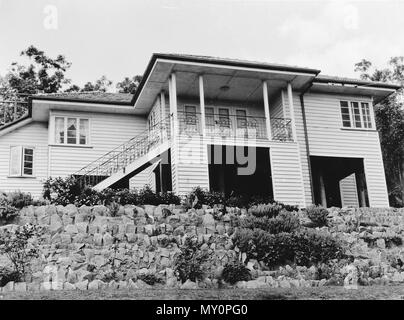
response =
{"points": [[224, 118], [355, 114], [70, 130], [190, 115], [209, 116], [21, 161], [241, 118]]}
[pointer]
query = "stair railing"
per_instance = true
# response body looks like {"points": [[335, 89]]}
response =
{"points": [[123, 155]]}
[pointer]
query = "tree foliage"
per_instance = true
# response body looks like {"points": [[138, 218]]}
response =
{"points": [[129, 85], [102, 85], [390, 123], [42, 74]]}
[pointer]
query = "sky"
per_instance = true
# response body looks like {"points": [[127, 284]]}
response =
{"points": [[116, 38]]}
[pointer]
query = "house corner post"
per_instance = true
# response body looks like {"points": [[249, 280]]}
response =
{"points": [[202, 105], [266, 109], [292, 110]]}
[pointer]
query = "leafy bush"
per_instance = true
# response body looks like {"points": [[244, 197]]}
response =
{"points": [[198, 197], [19, 199], [16, 246], [318, 215], [150, 279], [88, 197], [265, 210], [306, 247], [284, 222], [190, 262], [7, 275], [61, 191], [235, 271], [312, 246], [7, 213]]}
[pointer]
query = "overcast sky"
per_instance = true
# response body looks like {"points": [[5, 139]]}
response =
{"points": [[117, 37]]}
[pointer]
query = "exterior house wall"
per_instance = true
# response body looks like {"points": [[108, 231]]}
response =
{"points": [[33, 135], [327, 138]]}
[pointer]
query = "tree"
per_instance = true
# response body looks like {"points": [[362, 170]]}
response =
{"points": [[390, 123], [102, 84], [73, 88], [129, 85], [43, 74]]}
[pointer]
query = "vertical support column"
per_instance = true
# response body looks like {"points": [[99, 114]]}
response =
{"points": [[323, 196], [266, 109], [292, 110], [202, 105], [360, 178], [173, 105]]}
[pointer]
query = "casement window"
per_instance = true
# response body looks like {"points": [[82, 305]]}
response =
{"points": [[356, 114], [72, 131], [21, 161], [209, 116], [241, 118], [224, 118], [190, 115]]}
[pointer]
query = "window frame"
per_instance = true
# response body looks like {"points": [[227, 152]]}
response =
{"points": [[21, 152], [352, 121], [65, 118]]}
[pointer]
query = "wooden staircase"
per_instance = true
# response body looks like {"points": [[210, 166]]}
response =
{"points": [[124, 160]]}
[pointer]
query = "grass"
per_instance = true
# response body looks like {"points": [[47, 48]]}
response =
{"points": [[322, 293]]}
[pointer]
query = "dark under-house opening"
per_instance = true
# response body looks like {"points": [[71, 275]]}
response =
{"points": [[339, 182], [240, 170], [162, 173]]}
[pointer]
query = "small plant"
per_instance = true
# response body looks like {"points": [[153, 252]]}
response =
{"points": [[113, 261], [235, 271], [150, 279], [318, 215], [284, 222], [61, 191], [7, 275], [113, 208], [19, 199], [190, 262], [198, 197], [16, 246], [7, 212], [265, 210]]}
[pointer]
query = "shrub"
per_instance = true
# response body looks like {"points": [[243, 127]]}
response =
{"points": [[235, 271], [238, 201], [318, 215], [190, 262], [284, 222], [61, 191], [148, 196], [306, 247], [16, 246], [312, 246], [19, 199], [265, 210], [7, 275], [150, 279], [88, 197], [198, 197], [244, 239], [7, 213]]}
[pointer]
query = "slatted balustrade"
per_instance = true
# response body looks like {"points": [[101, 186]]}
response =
{"points": [[123, 155]]}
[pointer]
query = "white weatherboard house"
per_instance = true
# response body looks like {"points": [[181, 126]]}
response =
{"points": [[201, 121]]}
